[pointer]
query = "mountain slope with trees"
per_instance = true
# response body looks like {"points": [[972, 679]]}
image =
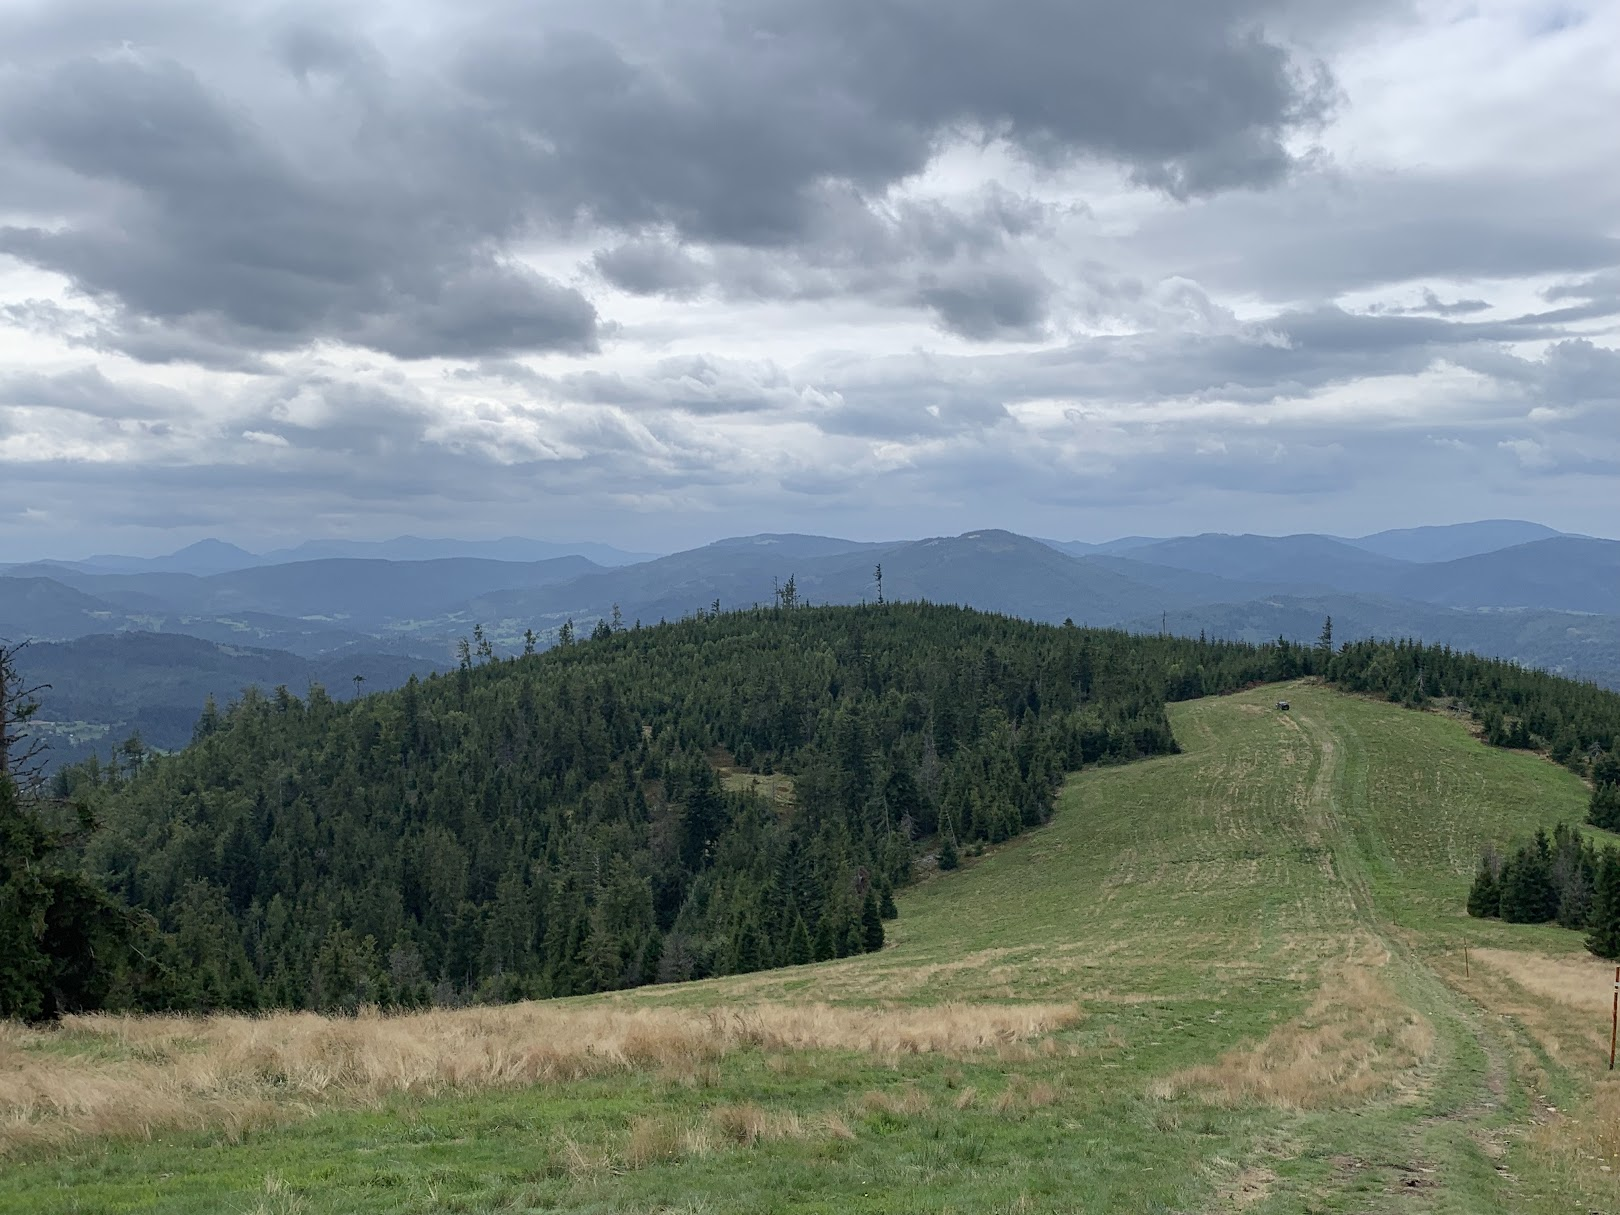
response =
{"points": [[556, 824], [571, 821]]}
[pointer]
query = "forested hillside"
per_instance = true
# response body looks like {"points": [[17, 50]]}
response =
{"points": [[557, 824], [585, 818]]}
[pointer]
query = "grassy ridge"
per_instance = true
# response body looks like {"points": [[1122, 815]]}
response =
{"points": [[1260, 942]]}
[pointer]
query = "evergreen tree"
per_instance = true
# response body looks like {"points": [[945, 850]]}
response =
{"points": [[851, 939], [1528, 893], [886, 907], [947, 854], [799, 950], [1603, 935], [65, 944], [824, 946], [871, 924], [1604, 808], [1574, 871], [1485, 896]]}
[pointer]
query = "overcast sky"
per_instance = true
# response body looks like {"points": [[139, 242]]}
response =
{"points": [[659, 271]]}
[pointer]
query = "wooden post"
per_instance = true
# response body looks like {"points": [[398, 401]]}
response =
{"points": [[1614, 1023], [1465, 960]]}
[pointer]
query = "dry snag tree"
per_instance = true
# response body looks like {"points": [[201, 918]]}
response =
{"points": [[21, 754]]}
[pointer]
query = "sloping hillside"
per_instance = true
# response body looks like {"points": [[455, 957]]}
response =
{"points": [[1227, 979]]}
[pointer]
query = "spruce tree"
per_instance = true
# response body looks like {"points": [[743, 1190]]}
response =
{"points": [[799, 950], [1604, 808], [1574, 869], [747, 950], [947, 854], [651, 955], [871, 924], [886, 907], [1528, 893], [1603, 934], [1485, 896], [825, 945], [852, 941]]}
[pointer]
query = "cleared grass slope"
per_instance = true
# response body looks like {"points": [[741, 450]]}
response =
{"points": [[1226, 980]]}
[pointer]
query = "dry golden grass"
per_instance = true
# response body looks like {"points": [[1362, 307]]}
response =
{"points": [[748, 1124], [655, 1140], [582, 1162], [1356, 1041], [1022, 1094], [277, 1200], [139, 1075], [899, 1102], [1580, 981]]}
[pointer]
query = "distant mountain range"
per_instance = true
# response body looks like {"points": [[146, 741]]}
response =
{"points": [[218, 557], [213, 618]]}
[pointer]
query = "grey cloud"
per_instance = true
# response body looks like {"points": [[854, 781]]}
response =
{"points": [[200, 234], [651, 267], [730, 123], [86, 391], [706, 386], [1574, 375], [1433, 303], [697, 385], [1598, 287], [1290, 355], [1598, 296], [988, 304], [208, 210], [958, 262], [1334, 233]]}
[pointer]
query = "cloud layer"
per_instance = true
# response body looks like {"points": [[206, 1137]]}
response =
{"points": [[658, 272]]}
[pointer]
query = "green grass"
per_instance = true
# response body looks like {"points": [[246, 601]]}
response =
{"points": [[1189, 906]]}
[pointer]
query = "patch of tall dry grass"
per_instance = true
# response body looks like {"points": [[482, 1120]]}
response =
{"points": [[1578, 980], [134, 1076], [1355, 1041]]}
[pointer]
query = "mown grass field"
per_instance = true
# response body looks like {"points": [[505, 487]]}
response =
{"points": [[1226, 980]]}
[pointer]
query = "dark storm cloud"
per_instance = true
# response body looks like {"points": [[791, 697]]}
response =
{"points": [[963, 264], [727, 123], [651, 267], [200, 235], [256, 183], [988, 303]]}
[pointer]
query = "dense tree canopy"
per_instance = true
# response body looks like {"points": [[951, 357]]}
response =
{"points": [[578, 820]]}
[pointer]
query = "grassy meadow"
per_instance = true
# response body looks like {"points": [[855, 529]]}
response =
{"points": [[1228, 980]]}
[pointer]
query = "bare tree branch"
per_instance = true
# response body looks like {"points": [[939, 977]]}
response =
{"points": [[21, 754]]}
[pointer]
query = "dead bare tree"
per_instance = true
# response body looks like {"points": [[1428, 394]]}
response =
{"points": [[21, 754]]}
